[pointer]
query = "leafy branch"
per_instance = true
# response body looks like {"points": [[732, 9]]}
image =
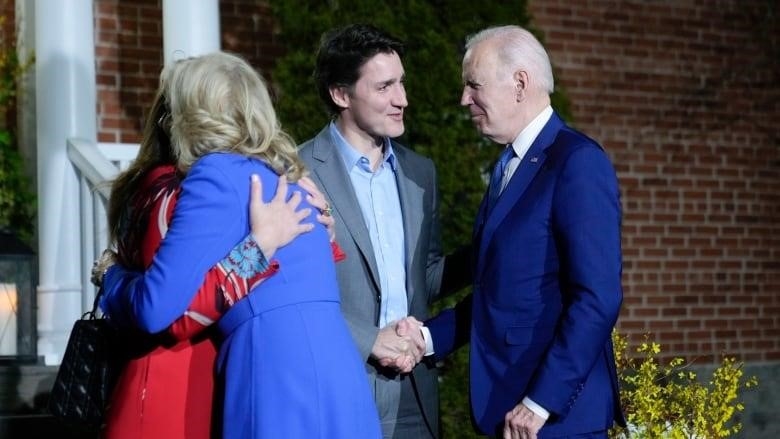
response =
{"points": [[670, 401]]}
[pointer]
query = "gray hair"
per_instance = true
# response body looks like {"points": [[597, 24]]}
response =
{"points": [[518, 48]]}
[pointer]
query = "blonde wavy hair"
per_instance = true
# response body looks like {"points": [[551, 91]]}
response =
{"points": [[219, 103]]}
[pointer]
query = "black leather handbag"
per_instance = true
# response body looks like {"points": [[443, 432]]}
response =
{"points": [[88, 372]]}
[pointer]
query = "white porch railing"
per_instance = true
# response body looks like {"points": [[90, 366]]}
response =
{"points": [[97, 165]]}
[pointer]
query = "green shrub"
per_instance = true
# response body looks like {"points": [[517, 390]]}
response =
{"points": [[669, 402], [17, 202]]}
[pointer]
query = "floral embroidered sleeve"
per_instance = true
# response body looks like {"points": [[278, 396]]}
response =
{"points": [[225, 284]]}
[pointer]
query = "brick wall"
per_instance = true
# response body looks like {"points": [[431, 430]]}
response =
{"points": [[7, 34], [128, 40], [128, 57], [682, 94], [248, 29], [684, 97], [7, 42]]}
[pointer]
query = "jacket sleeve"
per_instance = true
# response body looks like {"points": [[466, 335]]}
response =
{"points": [[223, 284], [586, 224], [222, 287], [449, 274], [205, 214], [451, 328], [226, 283], [435, 261]]}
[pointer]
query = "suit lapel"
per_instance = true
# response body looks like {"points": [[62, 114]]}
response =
{"points": [[529, 166], [411, 198], [338, 189]]}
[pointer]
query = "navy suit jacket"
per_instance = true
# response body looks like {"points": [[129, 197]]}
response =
{"points": [[547, 290]]}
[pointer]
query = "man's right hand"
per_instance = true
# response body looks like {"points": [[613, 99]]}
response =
{"points": [[400, 347]]}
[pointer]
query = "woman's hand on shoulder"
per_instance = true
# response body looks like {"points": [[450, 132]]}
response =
{"points": [[276, 223], [317, 199]]}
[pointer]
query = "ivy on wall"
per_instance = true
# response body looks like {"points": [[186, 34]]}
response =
{"points": [[17, 202]]}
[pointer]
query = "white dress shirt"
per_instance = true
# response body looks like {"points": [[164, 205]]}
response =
{"points": [[523, 143]]}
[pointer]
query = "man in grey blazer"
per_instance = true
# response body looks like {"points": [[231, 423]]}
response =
{"points": [[384, 199]]}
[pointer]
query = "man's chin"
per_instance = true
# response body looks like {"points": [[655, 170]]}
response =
{"points": [[479, 124], [395, 131]]}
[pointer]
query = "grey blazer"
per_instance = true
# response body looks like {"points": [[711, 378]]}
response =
{"points": [[358, 277]]}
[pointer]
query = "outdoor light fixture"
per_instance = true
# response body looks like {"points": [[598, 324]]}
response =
{"points": [[18, 336]]}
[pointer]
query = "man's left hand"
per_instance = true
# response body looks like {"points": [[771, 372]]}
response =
{"points": [[522, 423]]}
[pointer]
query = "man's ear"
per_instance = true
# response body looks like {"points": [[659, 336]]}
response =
{"points": [[340, 95], [520, 78]]}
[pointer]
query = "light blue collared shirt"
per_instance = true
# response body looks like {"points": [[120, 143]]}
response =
{"points": [[377, 194]]}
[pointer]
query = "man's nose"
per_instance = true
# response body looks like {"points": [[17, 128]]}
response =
{"points": [[465, 97], [399, 99]]}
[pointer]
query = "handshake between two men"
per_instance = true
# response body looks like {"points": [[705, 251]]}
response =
{"points": [[400, 345]]}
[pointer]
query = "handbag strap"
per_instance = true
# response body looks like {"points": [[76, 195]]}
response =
{"points": [[92, 315]]}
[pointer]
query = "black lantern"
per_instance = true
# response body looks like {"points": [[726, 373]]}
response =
{"points": [[18, 332]]}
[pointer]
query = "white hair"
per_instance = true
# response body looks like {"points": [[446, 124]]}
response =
{"points": [[518, 48]]}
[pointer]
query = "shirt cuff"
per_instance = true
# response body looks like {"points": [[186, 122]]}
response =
{"points": [[536, 408], [428, 340]]}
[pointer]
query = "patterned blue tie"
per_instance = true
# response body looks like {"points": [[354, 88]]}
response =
{"points": [[498, 175]]}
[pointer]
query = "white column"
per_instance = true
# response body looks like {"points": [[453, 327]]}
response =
{"points": [[65, 107], [190, 28]]}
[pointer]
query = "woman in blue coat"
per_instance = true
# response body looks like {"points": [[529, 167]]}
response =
{"points": [[287, 361]]}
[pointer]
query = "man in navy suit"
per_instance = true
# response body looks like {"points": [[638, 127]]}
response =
{"points": [[547, 270]]}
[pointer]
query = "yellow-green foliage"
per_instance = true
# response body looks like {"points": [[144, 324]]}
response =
{"points": [[670, 401]]}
